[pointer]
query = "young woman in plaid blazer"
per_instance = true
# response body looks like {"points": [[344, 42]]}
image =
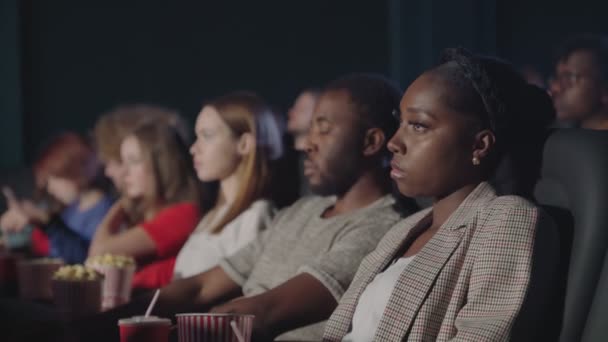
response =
{"points": [[464, 269]]}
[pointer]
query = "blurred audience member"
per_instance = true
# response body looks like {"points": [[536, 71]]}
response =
{"points": [[236, 138], [160, 203], [66, 175], [114, 126], [299, 117], [533, 76], [298, 123], [580, 85], [294, 273]]}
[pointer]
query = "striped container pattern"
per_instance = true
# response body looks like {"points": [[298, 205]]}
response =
{"points": [[116, 284], [207, 327]]}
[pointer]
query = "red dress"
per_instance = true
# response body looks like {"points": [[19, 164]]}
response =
{"points": [[169, 230]]}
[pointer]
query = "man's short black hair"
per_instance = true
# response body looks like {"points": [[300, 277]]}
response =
{"points": [[375, 97], [596, 44]]}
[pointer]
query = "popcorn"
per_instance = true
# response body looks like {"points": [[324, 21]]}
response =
{"points": [[76, 273], [107, 259]]}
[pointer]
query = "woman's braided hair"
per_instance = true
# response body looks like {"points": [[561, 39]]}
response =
{"points": [[502, 101]]}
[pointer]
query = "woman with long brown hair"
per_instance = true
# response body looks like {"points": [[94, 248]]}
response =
{"points": [[160, 204], [236, 138]]}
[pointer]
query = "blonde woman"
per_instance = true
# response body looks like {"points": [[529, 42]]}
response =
{"points": [[236, 138]]}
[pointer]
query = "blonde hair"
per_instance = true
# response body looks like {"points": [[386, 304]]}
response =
{"points": [[244, 112], [112, 127]]}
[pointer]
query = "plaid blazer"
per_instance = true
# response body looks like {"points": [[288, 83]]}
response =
{"points": [[467, 283]]}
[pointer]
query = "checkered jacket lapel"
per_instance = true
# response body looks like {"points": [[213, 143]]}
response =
{"points": [[373, 264], [422, 271]]}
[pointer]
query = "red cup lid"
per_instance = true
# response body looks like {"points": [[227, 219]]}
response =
{"points": [[144, 320]]}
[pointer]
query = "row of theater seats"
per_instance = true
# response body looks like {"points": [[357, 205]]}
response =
{"points": [[574, 189]]}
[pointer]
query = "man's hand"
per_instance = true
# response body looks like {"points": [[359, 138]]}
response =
{"points": [[14, 219], [298, 302], [252, 306], [34, 214]]}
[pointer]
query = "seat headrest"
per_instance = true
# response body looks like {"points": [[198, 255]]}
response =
{"points": [[574, 176]]}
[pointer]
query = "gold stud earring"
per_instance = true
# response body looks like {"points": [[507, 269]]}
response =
{"points": [[476, 161]]}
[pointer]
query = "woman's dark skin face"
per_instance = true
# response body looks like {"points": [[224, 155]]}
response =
{"points": [[433, 151]]}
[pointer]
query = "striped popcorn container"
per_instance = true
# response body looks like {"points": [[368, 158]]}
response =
{"points": [[116, 285], [208, 327], [75, 298]]}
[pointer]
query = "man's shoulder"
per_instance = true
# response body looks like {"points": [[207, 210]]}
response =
{"points": [[383, 209], [308, 203]]}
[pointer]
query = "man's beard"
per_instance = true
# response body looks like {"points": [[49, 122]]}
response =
{"points": [[343, 170]]}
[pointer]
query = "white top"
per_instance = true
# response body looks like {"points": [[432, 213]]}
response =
{"points": [[373, 301], [204, 250]]}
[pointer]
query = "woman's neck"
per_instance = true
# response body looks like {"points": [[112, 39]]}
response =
{"points": [[445, 206], [229, 188]]}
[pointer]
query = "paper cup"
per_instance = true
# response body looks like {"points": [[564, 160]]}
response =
{"points": [[75, 298], [208, 327], [144, 329], [35, 276], [116, 285]]}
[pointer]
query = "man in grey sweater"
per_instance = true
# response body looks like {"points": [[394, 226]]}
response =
{"points": [[293, 275]]}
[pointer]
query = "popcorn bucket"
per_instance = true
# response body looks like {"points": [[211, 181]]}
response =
{"points": [[75, 298], [35, 276], [118, 272], [209, 327], [116, 284]]}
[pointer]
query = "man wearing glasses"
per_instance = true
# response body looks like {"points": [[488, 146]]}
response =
{"points": [[580, 85]]}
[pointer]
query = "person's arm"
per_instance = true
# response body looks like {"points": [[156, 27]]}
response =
{"points": [[69, 245], [200, 291], [311, 295], [13, 221], [133, 241], [501, 275], [21, 213], [300, 301], [245, 228]]}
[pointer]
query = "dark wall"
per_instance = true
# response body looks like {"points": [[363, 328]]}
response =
{"points": [[529, 31], [11, 147], [425, 27], [78, 59], [82, 58]]}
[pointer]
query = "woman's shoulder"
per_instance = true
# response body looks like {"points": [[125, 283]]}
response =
{"points": [[261, 205], [311, 201], [187, 206], [512, 214], [181, 209], [512, 202]]}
